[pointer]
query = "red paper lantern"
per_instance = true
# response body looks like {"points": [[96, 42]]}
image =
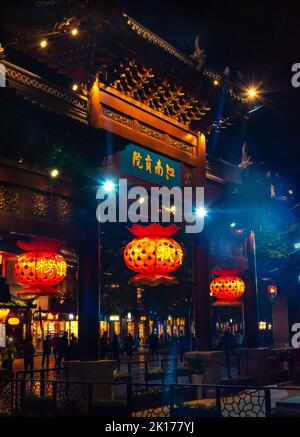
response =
{"points": [[153, 254], [227, 286], [40, 268]]}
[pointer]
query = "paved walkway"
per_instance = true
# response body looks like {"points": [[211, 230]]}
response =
{"points": [[140, 356]]}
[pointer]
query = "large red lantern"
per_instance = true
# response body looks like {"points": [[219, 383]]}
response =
{"points": [[153, 254], [40, 268], [227, 286]]}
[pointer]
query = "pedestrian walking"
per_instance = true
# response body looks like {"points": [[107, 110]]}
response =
{"points": [[153, 344], [8, 355], [129, 343], [63, 346], [47, 345], [104, 346], [73, 348], [28, 354], [55, 343], [181, 342], [239, 338], [116, 350]]}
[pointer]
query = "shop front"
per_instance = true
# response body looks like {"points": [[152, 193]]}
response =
{"points": [[52, 325]]}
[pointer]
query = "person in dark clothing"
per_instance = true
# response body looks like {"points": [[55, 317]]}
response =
{"points": [[8, 355], [116, 350], [104, 346], [129, 343], [47, 345], [181, 342], [62, 349], [153, 344], [228, 342], [28, 354], [73, 349], [55, 343]]}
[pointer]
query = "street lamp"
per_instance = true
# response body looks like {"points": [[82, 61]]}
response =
{"points": [[54, 173]]}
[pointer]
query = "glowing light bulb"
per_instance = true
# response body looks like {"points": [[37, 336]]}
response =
{"points": [[54, 173], [75, 87], [43, 43], [74, 31], [216, 82], [252, 92]]}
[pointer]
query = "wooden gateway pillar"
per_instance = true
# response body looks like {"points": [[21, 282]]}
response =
{"points": [[200, 263], [89, 295], [280, 320], [201, 295], [251, 297]]}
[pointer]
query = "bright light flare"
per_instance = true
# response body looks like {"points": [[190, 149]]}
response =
{"points": [[54, 173], [201, 212], [252, 92], [43, 43], [108, 186]]}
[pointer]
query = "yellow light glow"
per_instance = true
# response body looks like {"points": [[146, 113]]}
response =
{"points": [[13, 321], [54, 173], [262, 326], [252, 92], [216, 82], [50, 316], [43, 43], [74, 31], [75, 87], [3, 314]]}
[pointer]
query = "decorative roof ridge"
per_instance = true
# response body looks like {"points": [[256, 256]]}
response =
{"points": [[154, 38], [223, 161], [173, 51]]}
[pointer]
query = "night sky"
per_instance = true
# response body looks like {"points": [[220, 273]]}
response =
{"points": [[262, 40]]}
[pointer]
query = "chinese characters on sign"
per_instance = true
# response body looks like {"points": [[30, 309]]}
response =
{"points": [[51, 267], [151, 166]]}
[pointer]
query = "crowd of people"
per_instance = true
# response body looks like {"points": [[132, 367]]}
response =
{"points": [[61, 348], [127, 344], [112, 349], [228, 340]]}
